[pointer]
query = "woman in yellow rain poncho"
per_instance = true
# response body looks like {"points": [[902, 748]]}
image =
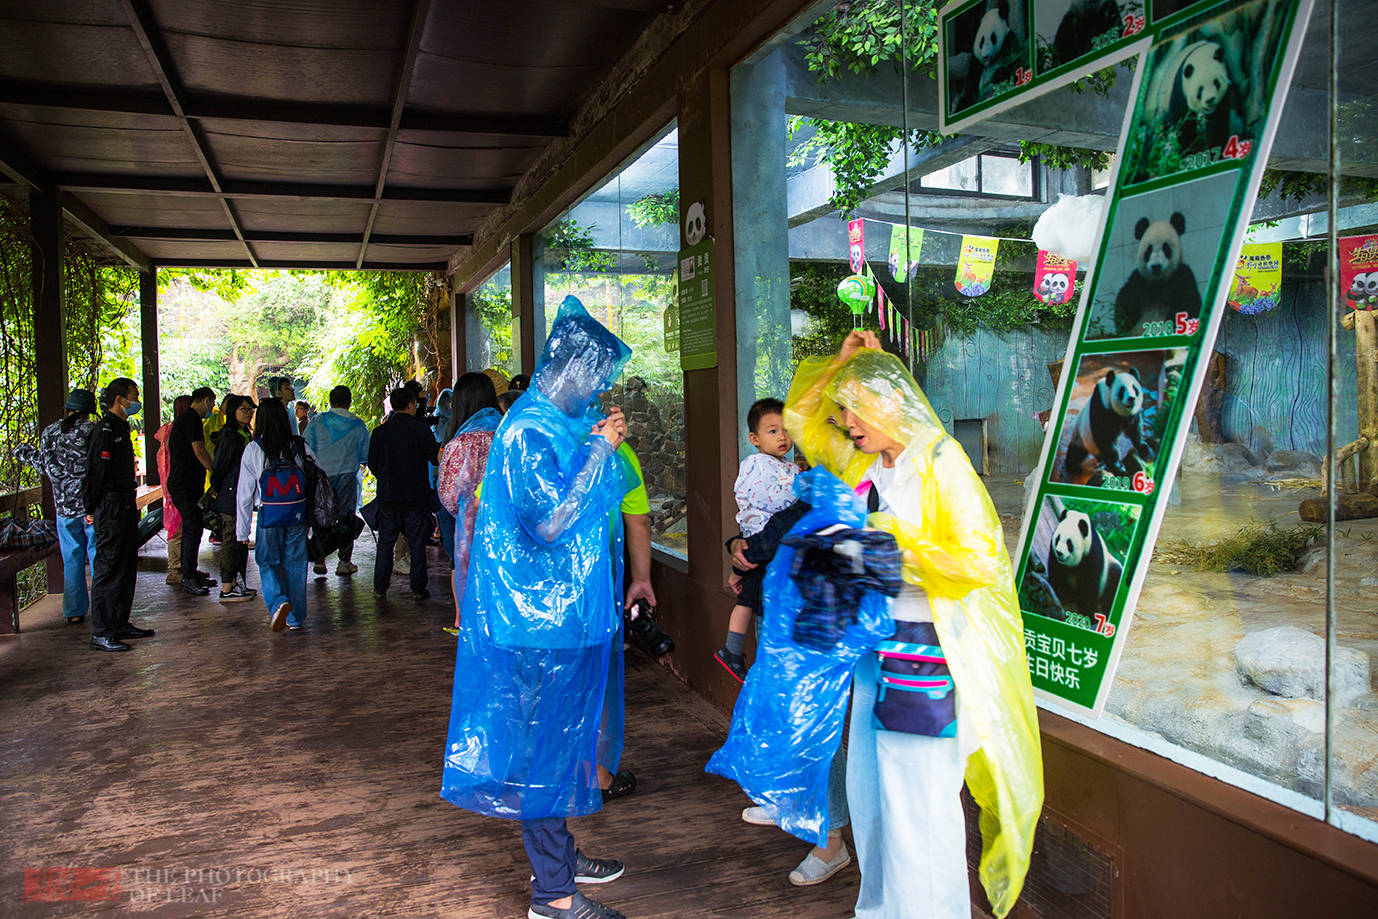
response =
{"points": [[861, 415]]}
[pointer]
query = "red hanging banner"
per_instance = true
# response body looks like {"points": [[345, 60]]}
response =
{"points": [[1055, 279], [856, 244], [1359, 271]]}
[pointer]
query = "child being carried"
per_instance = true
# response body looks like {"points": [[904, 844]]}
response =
{"points": [[764, 487]]}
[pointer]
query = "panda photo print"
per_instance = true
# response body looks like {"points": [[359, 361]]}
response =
{"points": [[1161, 250], [989, 54], [1117, 414], [1204, 97], [1075, 566]]}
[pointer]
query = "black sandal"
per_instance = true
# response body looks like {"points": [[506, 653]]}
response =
{"points": [[622, 784]]}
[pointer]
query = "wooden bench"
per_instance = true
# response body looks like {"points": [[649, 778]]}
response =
{"points": [[13, 561]]}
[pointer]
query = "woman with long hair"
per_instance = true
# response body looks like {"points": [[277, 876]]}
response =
{"points": [[230, 442], [474, 416], [61, 456], [281, 547], [172, 521]]}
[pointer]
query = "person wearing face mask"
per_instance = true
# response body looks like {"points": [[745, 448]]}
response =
{"points": [[108, 499], [540, 622]]}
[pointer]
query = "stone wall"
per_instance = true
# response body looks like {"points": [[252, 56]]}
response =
{"points": [[655, 430]]}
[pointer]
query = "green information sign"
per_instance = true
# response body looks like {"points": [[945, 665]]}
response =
{"points": [[698, 326], [1209, 83]]}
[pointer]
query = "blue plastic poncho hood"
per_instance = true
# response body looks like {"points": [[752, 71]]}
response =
{"points": [[539, 617]]}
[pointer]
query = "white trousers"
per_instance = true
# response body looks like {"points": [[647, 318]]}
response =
{"points": [[904, 793]]}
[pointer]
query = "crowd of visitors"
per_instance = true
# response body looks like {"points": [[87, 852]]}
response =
{"points": [[536, 499]]}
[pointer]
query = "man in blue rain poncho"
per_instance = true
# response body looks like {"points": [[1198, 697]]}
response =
{"points": [[539, 618]]}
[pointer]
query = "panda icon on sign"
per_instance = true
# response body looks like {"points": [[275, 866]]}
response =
{"points": [[695, 224]]}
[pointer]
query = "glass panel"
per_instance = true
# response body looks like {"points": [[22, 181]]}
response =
{"points": [[493, 345], [1354, 652], [616, 252], [961, 176], [1005, 175], [796, 124], [1204, 677]]}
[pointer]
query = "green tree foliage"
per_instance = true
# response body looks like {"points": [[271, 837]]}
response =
{"points": [[655, 209]]}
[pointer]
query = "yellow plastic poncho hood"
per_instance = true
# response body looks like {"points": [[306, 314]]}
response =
{"points": [[958, 557]]}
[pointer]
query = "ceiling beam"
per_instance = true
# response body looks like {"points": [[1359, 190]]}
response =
{"points": [[295, 263], [82, 97], [283, 236], [121, 183], [160, 59], [21, 168], [419, 11], [94, 226]]}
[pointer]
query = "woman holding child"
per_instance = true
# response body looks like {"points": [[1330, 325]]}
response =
{"points": [[861, 415]]}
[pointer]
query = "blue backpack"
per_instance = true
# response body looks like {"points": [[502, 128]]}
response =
{"points": [[282, 489]]}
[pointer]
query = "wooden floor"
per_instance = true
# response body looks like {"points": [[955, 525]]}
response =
{"points": [[222, 770]]}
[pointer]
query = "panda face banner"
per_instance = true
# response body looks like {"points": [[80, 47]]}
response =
{"points": [[1208, 90], [1055, 279]]}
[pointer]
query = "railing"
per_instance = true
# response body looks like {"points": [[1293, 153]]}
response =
{"points": [[17, 504]]}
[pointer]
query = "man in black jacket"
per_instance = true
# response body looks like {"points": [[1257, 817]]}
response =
{"points": [[189, 461], [398, 453], [108, 498]]}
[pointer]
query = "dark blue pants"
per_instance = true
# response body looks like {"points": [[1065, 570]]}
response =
{"points": [[550, 847]]}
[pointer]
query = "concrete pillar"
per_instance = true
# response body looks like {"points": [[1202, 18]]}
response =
{"points": [[148, 387], [760, 235], [710, 396], [459, 334], [50, 338], [524, 327]]}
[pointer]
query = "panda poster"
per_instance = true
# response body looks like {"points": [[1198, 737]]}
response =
{"points": [[1066, 31], [1055, 279], [1204, 96], [1160, 254], [986, 54], [1207, 94], [1071, 590], [1122, 406], [1359, 272]]}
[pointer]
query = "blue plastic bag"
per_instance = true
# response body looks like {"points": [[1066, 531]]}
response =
{"points": [[790, 715], [540, 618]]}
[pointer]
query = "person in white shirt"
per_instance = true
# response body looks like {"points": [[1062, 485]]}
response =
{"points": [[280, 550], [863, 417]]}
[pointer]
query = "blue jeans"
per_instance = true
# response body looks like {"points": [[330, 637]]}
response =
{"points": [[447, 528], [281, 556], [77, 540]]}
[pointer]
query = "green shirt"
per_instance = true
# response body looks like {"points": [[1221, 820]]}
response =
{"points": [[636, 501]]}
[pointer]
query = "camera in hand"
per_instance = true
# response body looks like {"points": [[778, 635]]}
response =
{"points": [[645, 632]]}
